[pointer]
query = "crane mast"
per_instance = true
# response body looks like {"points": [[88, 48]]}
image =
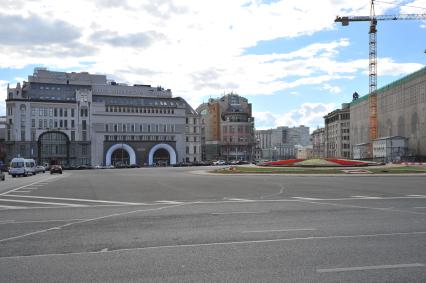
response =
{"points": [[372, 63], [372, 58]]}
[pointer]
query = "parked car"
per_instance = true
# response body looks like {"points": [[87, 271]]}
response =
{"points": [[2, 176], [22, 167], [219, 162], [56, 169], [4, 168], [40, 169]]}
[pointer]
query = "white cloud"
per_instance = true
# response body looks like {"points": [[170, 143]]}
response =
{"points": [[331, 89], [309, 114], [3, 94], [196, 48]]}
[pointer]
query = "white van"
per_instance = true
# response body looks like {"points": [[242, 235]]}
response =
{"points": [[22, 167]]}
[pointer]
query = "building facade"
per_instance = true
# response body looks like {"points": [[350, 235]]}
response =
{"points": [[401, 111], [2, 139], [318, 143], [280, 143], [337, 133], [227, 128], [83, 119]]}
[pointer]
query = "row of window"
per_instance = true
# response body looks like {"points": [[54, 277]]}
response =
{"points": [[236, 139], [236, 129], [52, 112], [138, 138], [49, 124], [141, 128], [132, 109], [194, 150]]}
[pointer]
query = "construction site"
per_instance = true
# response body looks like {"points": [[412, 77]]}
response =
{"points": [[388, 124]]}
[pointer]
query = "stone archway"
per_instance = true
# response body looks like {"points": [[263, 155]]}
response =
{"points": [[121, 146], [168, 148]]}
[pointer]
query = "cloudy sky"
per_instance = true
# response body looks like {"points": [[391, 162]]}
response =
{"points": [[287, 57]]}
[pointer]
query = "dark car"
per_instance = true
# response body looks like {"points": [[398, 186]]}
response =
{"points": [[56, 169], [2, 176], [4, 168]]}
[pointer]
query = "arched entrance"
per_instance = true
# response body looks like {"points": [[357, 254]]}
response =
{"points": [[120, 154], [53, 148], [163, 154], [120, 157]]}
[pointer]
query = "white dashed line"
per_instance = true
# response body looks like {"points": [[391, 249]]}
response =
{"points": [[239, 212], [282, 230], [373, 267]]}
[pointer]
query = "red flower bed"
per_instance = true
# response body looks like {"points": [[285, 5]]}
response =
{"points": [[284, 162], [345, 162]]}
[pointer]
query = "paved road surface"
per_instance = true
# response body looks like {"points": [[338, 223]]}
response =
{"points": [[182, 225]]}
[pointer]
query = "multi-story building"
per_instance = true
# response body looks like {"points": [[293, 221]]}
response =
{"points": [[2, 139], [280, 143], [401, 111], [318, 143], [228, 128], [81, 118], [337, 133]]}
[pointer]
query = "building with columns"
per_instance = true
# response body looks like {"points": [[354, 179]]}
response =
{"points": [[81, 118]]}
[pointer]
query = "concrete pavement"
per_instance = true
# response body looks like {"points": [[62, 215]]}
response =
{"points": [[169, 224]]}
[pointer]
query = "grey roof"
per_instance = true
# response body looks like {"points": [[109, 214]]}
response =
{"points": [[54, 92], [139, 101]]}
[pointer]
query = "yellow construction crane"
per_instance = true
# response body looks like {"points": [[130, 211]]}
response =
{"points": [[373, 55]]}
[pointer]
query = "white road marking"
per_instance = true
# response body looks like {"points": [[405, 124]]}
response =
{"points": [[272, 195], [331, 237], [307, 198], [31, 184], [9, 207], [22, 191], [87, 220], [238, 199], [41, 202], [366, 197], [239, 212], [372, 267], [38, 221], [77, 199], [282, 230], [363, 207], [169, 202], [422, 196], [7, 221]]}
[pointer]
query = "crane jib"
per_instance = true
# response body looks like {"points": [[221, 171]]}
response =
{"points": [[345, 20]]}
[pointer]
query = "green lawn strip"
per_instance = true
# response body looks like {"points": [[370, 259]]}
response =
{"points": [[396, 170], [278, 170]]}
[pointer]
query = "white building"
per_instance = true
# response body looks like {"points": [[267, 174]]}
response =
{"points": [[81, 118], [280, 143]]}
